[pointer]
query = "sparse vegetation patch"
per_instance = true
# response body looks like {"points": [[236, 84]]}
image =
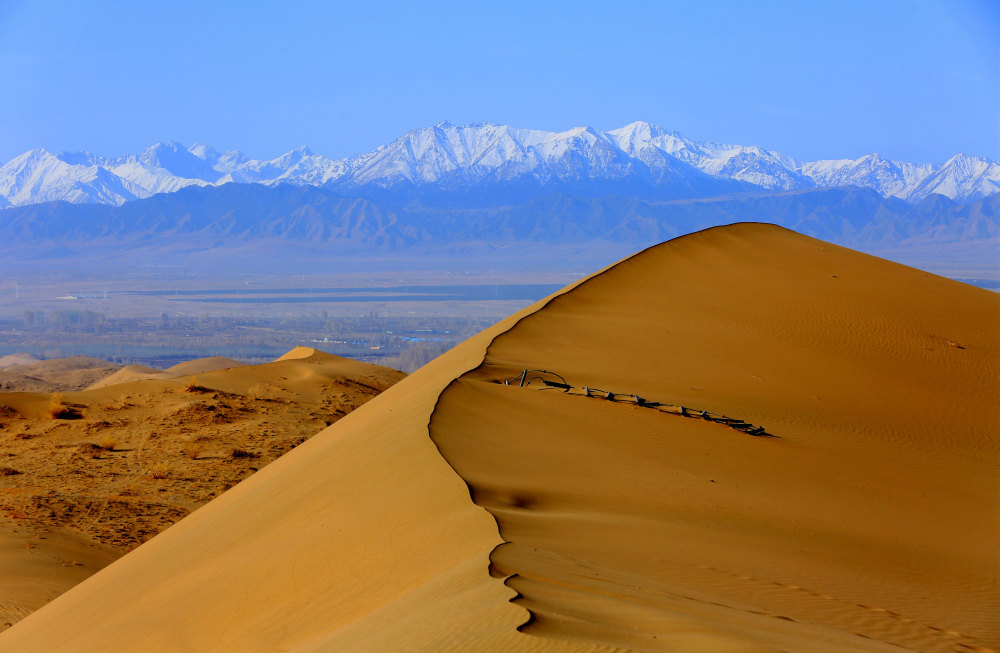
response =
{"points": [[60, 409]]}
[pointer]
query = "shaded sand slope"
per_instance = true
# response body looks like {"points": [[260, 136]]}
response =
{"points": [[361, 539], [365, 539], [872, 517]]}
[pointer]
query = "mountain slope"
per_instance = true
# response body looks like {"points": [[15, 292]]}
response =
{"points": [[282, 223], [639, 159]]}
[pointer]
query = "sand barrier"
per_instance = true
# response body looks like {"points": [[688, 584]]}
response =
{"points": [[545, 379]]}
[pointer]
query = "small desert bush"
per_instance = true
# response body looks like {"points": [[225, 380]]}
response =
{"points": [[108, 443], [121, 403], [242, 453], [193, 386], [161, 470], [256, 391], [192, 450], [59, 409]]}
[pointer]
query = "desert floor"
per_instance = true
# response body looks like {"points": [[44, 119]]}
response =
{"points": [[86, 476]]}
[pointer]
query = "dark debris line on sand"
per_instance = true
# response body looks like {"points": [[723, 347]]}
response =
{"points": [[548, 380]]}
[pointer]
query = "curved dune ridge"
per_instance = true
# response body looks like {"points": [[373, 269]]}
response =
{"points": [[868, 523], [871, 515], [201, 365], [131, 373], [127, 374]]}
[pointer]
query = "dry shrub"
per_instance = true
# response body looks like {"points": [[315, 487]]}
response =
{"points": [[256, 391], [59, 409], [161, 470], [192, 386], [7, 411], [108, 443], [242, 453], [121, 403], [8, 471], [192, 450]]}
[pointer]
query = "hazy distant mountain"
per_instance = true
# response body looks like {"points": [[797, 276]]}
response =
{"points": [[489, 162], [287, 225]]}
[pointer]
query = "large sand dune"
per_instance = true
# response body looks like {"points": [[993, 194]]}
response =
{"points": [[869, 522]]}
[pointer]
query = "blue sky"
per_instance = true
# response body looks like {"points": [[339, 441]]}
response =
{"points": [[915, 80]]}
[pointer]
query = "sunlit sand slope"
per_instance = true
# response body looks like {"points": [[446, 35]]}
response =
{"points": [[869, 520], [127, 374]]}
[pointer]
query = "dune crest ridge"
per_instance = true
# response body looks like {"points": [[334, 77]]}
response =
{"points": [[868, 523], [360, 539]]}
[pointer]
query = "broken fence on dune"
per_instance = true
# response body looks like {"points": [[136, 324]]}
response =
{"points": [[548, 380]]}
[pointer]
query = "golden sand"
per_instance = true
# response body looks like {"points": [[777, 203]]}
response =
{"points": [[868, 523]]}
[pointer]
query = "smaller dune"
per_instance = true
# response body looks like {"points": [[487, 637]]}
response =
{"points": [[15, 382], [10, 360], [55, 375], [202, 365], [127, 374], [298, 352], [132, 373]]}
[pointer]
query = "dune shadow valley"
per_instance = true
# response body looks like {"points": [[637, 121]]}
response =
{"points": [[743, 439]]}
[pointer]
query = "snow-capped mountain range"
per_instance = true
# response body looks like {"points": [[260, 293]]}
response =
{"points": [[447, 157]]}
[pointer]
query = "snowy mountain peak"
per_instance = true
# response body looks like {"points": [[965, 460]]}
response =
{"points": [[449, 157], [639, 130], [205, 152]]}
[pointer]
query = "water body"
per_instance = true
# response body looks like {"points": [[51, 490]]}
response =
{"points": [[479, 292]]}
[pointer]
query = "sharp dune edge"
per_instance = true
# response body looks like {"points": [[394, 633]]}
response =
{"points": [[868, 523]]}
